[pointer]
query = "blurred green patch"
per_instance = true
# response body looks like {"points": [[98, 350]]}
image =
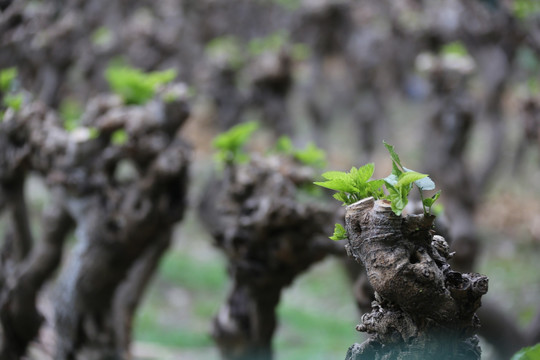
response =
{"points": [[526, 314], [454, 48], [192, 274], [226, 49], [329, 329], [190, 288], [270, 43], [524, 9], [317, 315], [528, 353], [290, 5], [206, 308], [182, 301], [135, 86], [119, 137], [300, 52], [149, 329], [7, 76], [70, 112], [102, 37], [13, 101]]}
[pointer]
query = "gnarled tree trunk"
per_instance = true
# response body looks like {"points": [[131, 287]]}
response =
{"points": [[123, 227], [269, 239], [123, 221], [423, 309]]}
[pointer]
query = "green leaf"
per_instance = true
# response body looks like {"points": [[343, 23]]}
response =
{"points": [[429, 201], [331, 175], [70, 112], [363, 174], [13, 101], [423, 184], [311, 156], [338, 185], [455, 48], [157, 78], [393, 154], [227, 49], [94, 132], [271, 43], [230, 143], [135, 86], [354, 185], [397, 198], [523, 9], [399, 182], [438, 209], [392, 179], [375, 188], [339, 233], [528, 353], [102, 36], [300, 52], [408, 178], [284, 145], [119, 137], [235, 137], [6, 78], [343, 197]]}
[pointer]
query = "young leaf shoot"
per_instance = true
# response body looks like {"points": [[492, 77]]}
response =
{"points": [[119, 137], [354, 185], [7, 76], [399, 184], [528, 353], [311, 155], [339, 233], [70, 112], [134, 86], [357, 184], [230, 144]]}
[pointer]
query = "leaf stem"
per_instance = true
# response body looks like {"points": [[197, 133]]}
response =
{"points": [[422, 200]]}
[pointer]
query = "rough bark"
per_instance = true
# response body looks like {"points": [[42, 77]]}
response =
{"points": [[20, 223], [423, 309], [130, 293], [119, 217], [18, 312], [17, 240], [118, 221], [269, 239]]}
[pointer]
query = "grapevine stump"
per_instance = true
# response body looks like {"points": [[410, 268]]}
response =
{"points": [[423, 309], [269, 238]]}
